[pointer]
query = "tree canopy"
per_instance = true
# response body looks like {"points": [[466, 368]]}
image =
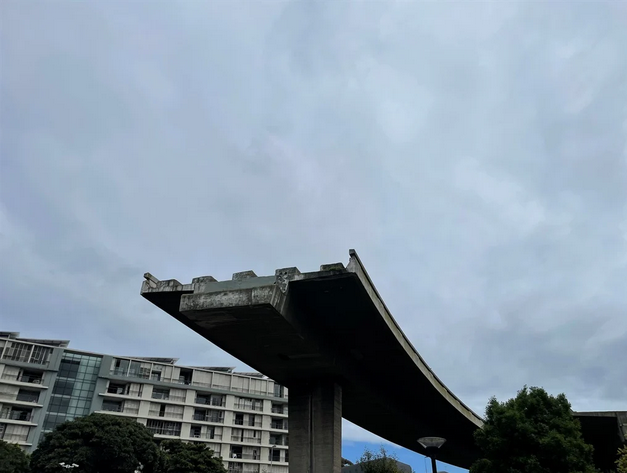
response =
{"points": [[179, 457], [532, 433], [621, 463], [378, 462], [98, 443], [12, 458]]}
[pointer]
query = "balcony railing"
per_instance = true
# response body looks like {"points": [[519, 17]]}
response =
{"points": [[278, 426], [112, 408], [23, 378], [248, 423], [16, 415], [220, 402], [206, 435], [209, 418], [279, 442], [27, 397], [14, 437], [171, 415], [36, 360], [279, 410], [168, 397], [245, 456], [165, 431], [248, 407], [187, 381]]}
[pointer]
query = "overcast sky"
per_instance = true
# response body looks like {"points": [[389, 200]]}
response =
{"points": [[474, 154]]}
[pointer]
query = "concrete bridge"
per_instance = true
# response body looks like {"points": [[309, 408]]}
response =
{"points": [[329, 338]]}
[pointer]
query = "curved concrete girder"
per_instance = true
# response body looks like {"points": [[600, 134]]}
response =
{"points": [[329, 324]]}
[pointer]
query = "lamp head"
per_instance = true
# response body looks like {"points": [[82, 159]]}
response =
{"points": [[431, 442]]}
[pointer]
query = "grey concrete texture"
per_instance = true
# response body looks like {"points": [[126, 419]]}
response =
{"points": [[329, 325], [315, 416]]}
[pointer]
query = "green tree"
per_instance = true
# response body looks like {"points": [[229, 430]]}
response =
{"points": [[378, 462], [12, 458], [532, 433], [179, 457], [98, 443], [621, 463]]}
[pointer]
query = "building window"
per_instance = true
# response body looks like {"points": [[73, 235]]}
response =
{"points": [[161, 393], [165, 410], [27, 396], [41, 355], [249, 404], [209, 415], [280, 424], [162, 427], [278, 390], [73, 389], [112, 406], [16, 351]]}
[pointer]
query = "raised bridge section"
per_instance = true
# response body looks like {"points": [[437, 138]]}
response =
{"points": [[328, 337]]}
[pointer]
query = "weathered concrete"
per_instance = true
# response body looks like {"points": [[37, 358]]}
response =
{"points": [[606, 431], [327, 325], [315, 419]]}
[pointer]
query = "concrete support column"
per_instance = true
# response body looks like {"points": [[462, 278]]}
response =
{"points": [[315, 422]]}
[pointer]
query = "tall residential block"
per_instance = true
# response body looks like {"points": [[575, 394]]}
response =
{"points": [[241, 416]]}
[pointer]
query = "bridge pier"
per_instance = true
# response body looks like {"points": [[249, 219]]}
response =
{"points": [[315, 422]]}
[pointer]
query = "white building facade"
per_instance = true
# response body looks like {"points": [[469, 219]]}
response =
{"points": [[241, 416]]}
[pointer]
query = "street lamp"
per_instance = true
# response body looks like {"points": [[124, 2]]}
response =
{"points": [[432, 444], [272, 456]]}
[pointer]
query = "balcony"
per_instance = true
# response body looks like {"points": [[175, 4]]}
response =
{"points": [[278, 426], [27, 353], [248, 407], [278, 441], [170, 433], [170, 415], [209, 418], [219, 402], [206, 436], [237, 438], [14, 438], [112, 408], [23, 378], [167, 397], [27, 397], [247, 423], [16, 415], [279, 410], [245, 456]]}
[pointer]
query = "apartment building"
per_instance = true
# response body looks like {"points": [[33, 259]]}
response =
{"points": [[241, 416]]}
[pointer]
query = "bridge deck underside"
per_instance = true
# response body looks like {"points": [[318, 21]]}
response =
{"points": [[329, 328]]}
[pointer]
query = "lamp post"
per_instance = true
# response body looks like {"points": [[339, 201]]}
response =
{"points": [[272, 456], [432, 444]]}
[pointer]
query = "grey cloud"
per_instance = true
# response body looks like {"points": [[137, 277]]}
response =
{"points": [[474, 156]]}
